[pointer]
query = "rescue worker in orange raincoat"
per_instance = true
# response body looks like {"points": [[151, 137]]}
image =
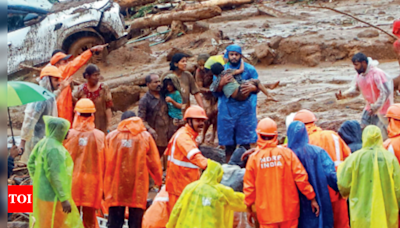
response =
{"points": [[337, 149], [156, 216], [184, 157], [273, 177], [392, 144], [87, 148], [131, 154], [69, 68]]}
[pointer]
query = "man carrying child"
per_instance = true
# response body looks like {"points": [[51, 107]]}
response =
{"points": [[237, 120]]}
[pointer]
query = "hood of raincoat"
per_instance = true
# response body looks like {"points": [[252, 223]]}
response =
{"points": [[133, 125], [175, 81], [213, 174], [393, 128], [262, 144], [297, 135], [82, 123], [232, 47], [56, 128], [372, 137], [45, 83], [350, 132]]}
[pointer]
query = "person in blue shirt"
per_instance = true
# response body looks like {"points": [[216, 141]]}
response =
{"points": [[237, 120], [321, 174]]}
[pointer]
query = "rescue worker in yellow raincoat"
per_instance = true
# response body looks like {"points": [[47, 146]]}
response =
{"points": [[392, 144], [51, 167], [371, 180], [86, 146], [184, 157], [337, 149], [206, 203]]}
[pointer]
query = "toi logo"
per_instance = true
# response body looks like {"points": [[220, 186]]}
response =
{"points": [[20, 199]]}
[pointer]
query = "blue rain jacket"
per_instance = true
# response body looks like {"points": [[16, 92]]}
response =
{"points": [[351, 133], [237, 120], [321, 173]]}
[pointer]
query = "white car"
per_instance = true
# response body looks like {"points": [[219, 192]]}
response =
{"points": [[37, 27]]}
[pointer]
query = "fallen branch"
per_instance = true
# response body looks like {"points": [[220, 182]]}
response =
{"points": [[262, 9], [30, 67], [125, 4], [355, 18], [167, 18], [219, 3]]}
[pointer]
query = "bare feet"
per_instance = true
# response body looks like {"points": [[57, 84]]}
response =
{"points": [[270, 98]]}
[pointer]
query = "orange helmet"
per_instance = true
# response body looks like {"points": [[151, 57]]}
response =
{"points": [[393, 112], [305, 116], [267, 127], [50, 71], [59, 56], [85, 105], [195, 112]]}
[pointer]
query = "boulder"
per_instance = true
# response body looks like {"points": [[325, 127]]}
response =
{"points": [[263, 54], [274, 42], [368, 33]]}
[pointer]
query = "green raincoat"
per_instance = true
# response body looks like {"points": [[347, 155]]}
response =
{"points": [[206, 203], [371, 180], [50, 166]]}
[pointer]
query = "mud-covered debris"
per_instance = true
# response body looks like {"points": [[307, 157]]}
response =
{"points": [[274, 42], [263, 54], [212, 153], [200, 26], [18, 225], [175, 50], [368, 33]]}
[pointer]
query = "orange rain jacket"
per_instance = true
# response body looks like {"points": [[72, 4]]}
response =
{"points": [[87, 148], [338, 150], [331, 142], [184, 160], [157, 215], [273, 175], [64, 100], [130, 156], [392, 144]]}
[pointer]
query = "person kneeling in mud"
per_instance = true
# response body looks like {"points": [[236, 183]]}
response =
{"points": [[234, 87]]}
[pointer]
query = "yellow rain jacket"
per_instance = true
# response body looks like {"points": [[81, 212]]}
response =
{"points": [[50, 167], [206, 203], [371, 180]]}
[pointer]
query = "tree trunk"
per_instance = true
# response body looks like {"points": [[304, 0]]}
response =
{"points": [[132, 3], [220, 3], [167, 18]]}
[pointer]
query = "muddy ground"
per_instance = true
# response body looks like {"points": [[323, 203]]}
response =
{"points": [[311, 56]]}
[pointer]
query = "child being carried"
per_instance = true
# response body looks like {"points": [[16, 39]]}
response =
{"points": [[233, 88]]}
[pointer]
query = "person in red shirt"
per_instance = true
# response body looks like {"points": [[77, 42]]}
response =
{"points": [[68, 68], [273, 177]]}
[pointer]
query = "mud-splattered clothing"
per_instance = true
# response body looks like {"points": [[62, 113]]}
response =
{"points": [[102, 100], [154, 113]]}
